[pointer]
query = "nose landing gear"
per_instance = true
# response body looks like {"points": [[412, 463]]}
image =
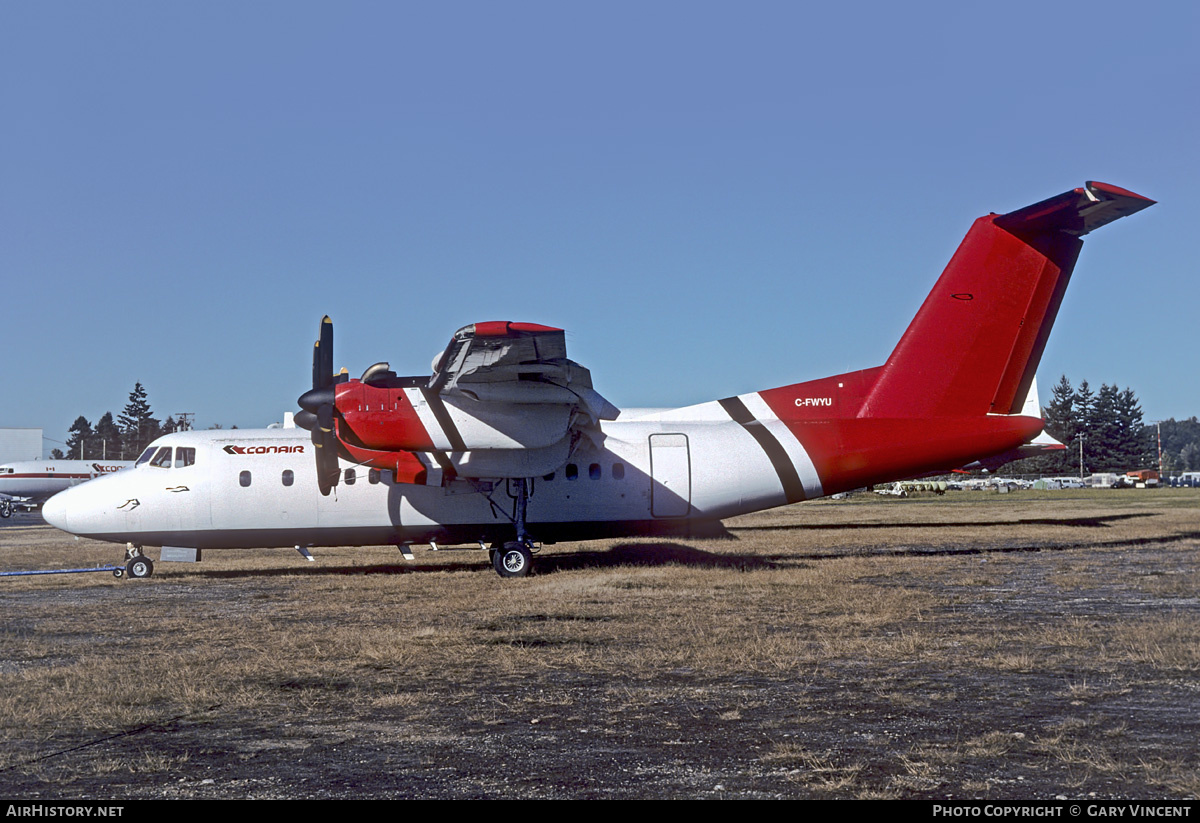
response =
{"points": [[137, 565]]}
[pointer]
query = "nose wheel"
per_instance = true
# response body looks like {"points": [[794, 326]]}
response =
{"points": [[137, 565]]}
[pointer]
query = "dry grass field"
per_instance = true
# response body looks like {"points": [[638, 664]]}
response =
{"points": [[1030, 645]]}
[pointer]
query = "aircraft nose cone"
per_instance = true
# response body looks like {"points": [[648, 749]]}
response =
{"points": [[54, 512]]}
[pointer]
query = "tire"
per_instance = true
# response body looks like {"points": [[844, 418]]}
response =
{"points": [[6, 509], [139, 567], [514, 560]]}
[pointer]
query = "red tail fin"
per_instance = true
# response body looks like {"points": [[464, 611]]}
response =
{"points": [[975, 344]]}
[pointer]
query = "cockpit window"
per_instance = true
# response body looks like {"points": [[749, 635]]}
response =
{"points": [[185, 456], [146, 455], [162, 458]]}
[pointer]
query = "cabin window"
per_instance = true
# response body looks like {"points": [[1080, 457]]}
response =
{"points": [[244, 478], [594, 471], [162, 458], [572, 471], [350, 477], [373, 476], [618, 471], [185, 457], [288, 477]]}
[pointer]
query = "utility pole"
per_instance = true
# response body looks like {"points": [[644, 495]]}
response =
{"points": [[1081, 457]]}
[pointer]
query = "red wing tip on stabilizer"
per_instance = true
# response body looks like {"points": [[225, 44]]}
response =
{"points": [[1076, 212]]}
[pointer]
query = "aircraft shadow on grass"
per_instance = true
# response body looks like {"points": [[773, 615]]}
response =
{"points": [[679, 554], [1075, 522]]}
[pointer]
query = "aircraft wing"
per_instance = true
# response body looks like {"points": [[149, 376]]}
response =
{"points": [[517, 363], [504, 401]]}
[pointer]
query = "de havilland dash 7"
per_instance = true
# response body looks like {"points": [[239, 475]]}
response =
{"points": [[507, 443]]}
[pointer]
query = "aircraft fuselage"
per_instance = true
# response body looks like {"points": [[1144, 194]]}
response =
{"points": [[672, 472]]}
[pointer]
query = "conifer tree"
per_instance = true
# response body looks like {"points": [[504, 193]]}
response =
{"points": [[1136, 442], [108, 436], [138, 424], [1103, 443], [1062, 425], [1085, 398], [81, 440]]}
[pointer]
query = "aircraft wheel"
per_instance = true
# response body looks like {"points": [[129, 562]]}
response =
{"points": [[6, 509], [139, 567], [514, 560]]}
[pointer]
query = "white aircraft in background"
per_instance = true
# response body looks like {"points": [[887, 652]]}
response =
{"points": [[27, 483], [508, 443]]}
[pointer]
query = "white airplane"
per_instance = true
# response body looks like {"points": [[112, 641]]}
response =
{"points": [[27, 483], [507, 442]]}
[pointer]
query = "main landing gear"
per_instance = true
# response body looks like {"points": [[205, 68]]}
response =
{"points": [[137, 565], [516, 558]]}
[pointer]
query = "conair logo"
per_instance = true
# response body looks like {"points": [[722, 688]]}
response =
{"points": [[264, 449]]}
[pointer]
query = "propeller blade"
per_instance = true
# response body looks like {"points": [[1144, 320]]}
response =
{"points": [[323, 358], [312, 401], [305, 420], [316, 381], [325, 418], [328, 472], [318, 409]]}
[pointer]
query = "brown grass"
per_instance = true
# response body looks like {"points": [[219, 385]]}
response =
{"points": [[858, 648]]}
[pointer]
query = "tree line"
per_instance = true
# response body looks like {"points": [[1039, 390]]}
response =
{"points": [[1114, 436], [1181, 444], [121, 439]]}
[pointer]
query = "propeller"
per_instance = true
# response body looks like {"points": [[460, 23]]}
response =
{"points": [[318, 410]]}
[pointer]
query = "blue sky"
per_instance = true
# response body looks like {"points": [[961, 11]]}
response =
{"points": [[711, 198]]}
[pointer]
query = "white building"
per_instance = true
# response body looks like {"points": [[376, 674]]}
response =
{"points": [[20, 444]]}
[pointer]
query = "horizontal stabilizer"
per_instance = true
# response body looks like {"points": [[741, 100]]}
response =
{"points": [[1075, 212]]}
